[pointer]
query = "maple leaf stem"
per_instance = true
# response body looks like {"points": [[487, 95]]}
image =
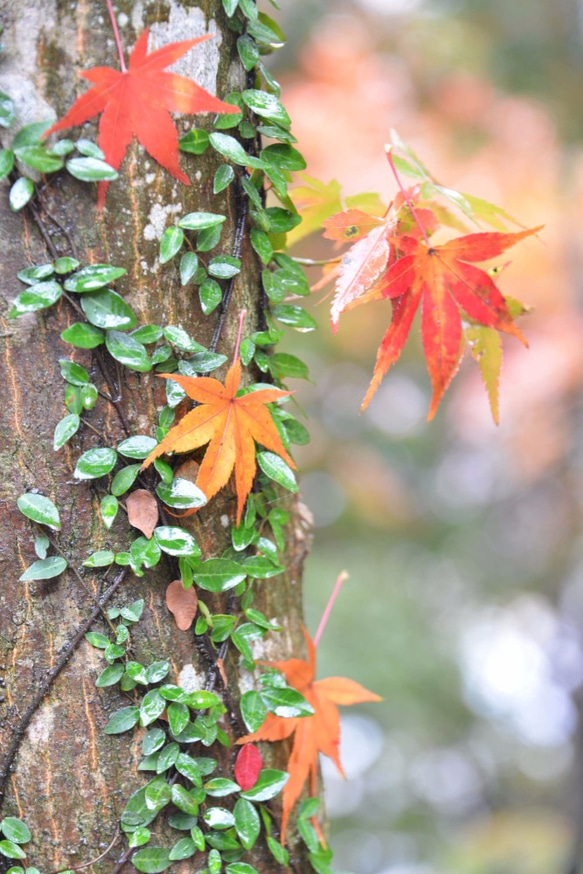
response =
{"points": [[340, 580], [242, 317], [116, 35], [388, 150], [316, 262]]}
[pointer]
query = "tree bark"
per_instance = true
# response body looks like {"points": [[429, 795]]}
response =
{"points": [[66, 778]]}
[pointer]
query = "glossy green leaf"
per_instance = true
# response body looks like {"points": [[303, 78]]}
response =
{"points": [[267, 106], [269, 783], [32, 275], [253, 710], [15, 830], [218, 817], [6, 162], [110, 676], [276, 469], [184, 799], [181, 339], [223, 178], [11, 850], [232, 149], [248, 51], [262, 244], [240, 868], [139, 837], [247, 822], [83, 336], [93, 277], [128, 351], [122, 720], [40, 509], [20, 193], [196, 221], [6, 110], [261, 568], [224, 267], [124, 479], [107, 309], [188, 267], [108, 508], [294, 316], [139, 446], [91, 170], [147, 334], [95, 463], [170, 243], [183, 849], [176, 541], [39, 159], [73, 372], [152, 860], [101, 558], [151, 707], [286, 702], [181, 493], [218, 575], [195, 142]]}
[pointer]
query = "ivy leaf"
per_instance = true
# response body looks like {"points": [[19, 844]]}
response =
{"points": [[152, 860], [40, 509], [137, 102], [232, 425]]}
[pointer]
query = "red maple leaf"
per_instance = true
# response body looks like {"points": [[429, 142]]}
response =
{"points": [[319, 733], [445, 284], [137, 102]]}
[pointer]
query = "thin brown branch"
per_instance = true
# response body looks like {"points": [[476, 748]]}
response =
{"points": [[69, 648]]}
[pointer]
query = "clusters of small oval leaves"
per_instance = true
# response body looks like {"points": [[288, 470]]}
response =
{"points": [[176, 720], [28, 158]]}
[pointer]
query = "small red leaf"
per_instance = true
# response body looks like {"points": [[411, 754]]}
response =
{"points": [[142, 510], [182, 603], [248, 766]]}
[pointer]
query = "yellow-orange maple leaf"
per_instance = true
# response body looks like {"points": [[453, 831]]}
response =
{"points": [[230, 425], [319, 733]]}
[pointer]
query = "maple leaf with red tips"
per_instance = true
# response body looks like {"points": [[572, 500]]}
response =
{"points": [[440, 279], [318, 733], [137, 102], [230, 425]]}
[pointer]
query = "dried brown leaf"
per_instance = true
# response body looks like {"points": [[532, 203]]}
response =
{"points": [[182, 603], [142, 510]]}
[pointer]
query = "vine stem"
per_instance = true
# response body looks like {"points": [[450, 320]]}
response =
{"points": [[93, 861], [389, 153], [122, 62], [340, 580], [44, 688]]}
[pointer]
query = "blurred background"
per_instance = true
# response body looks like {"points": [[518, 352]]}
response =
{"points": [[464, 540]]}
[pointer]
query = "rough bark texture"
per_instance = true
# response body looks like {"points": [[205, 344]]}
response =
{"points": [[69, 780]]}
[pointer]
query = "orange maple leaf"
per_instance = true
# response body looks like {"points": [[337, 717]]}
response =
{"points": [[137, 102], [318, 733], [230, 425]]}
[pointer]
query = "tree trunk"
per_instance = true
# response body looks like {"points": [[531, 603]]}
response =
{"points": [[60, 772]]}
